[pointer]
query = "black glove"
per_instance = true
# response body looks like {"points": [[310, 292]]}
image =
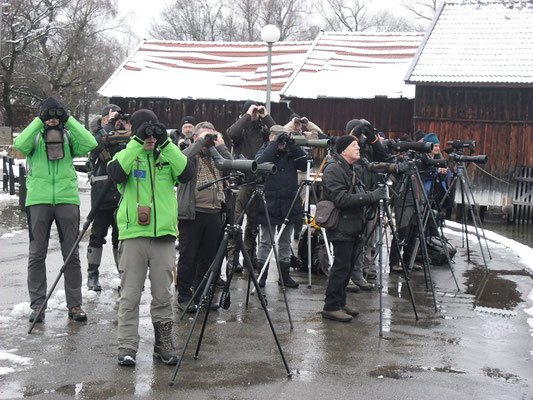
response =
{"points": [[402, 167], [379, 194], [160, 134], [144, 131], [369, 131]]}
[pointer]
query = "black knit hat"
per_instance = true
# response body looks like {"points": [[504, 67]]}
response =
{"points": [[141, 116], [110, 107], [247, 105], [343, 142], [354, 124], [47, 104], [419, 135], [187, 120]]}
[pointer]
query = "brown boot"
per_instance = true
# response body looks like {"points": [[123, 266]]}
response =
{"points": [[338, 315]]}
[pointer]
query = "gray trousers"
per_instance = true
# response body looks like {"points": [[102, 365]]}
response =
{"points": [[40, 219], [136, 256], [284, 244]]}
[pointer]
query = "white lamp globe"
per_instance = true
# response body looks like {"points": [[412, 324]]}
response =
{"points": [[270, 33]]}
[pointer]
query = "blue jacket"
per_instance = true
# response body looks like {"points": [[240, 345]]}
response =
{"points": [[281, 187]]}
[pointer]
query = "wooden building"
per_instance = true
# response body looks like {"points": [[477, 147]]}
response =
{"points": [[474, 80], [337, 77]]}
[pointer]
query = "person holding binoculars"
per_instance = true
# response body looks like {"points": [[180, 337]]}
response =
{"points": [[146, 172], [50, 143]]}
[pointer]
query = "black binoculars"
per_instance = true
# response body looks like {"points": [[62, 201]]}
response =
{"points": [[56, 112]]}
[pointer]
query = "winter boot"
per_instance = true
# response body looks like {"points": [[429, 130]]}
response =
{"points": [[287, 280], [94, 257], [164, 346]]}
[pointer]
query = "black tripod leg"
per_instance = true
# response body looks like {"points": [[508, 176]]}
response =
{"points": [[215, 266], [276, 256], [248, 264], [396, 240]]}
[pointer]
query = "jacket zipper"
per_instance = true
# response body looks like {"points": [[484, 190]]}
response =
{"points": [[53, 185], [152, 184]]}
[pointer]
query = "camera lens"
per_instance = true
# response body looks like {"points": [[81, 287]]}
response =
{"points": [[149, 131]]}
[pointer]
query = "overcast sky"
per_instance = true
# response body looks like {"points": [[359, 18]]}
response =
{"points": [[141, 12]]}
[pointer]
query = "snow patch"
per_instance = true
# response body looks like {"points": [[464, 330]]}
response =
{"points": [[7, 355], [11, 234], [6, 370], [6, 198], [525, 253]]}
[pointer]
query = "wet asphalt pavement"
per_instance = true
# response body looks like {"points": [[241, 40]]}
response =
{"points": [[456, 353]]}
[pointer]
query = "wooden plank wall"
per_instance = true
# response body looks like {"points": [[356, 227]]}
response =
{"points": [[500, 120], [392, 116]]}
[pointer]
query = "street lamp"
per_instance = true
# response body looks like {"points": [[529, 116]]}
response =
{"points": [[270, 34]]}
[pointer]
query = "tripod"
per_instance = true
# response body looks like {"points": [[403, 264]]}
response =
{"points": [[309, 187], [209, 279], [468, 202]]}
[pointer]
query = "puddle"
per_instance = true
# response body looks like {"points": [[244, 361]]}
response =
{"points": [[498, 292], [407, 372]]}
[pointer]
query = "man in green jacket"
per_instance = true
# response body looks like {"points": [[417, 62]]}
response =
{"points": [[146, 172], [50, 143]]}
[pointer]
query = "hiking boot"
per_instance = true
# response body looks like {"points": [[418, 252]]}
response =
{"points": [[338, 315], [164, 345], [370, 273], [77, 314], [364, 284], [352, 288], [182, 305], [287, 280], [33, 315], [350, 311], [126, 356], [396, 269]]}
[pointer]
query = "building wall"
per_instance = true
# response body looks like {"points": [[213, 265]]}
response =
{"points": [[500, 120], [389, 115]]}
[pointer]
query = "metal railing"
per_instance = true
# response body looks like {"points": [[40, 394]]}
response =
{"points": [[10, 182]]}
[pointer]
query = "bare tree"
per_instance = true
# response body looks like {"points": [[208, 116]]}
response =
{"points": [[422, 9], [345, 15], [285, 14], [197, 20], [387, 21]]}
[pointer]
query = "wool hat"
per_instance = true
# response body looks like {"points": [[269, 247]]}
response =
{"points": [[419, 134], [247, 105], [278, 129], [343, 142], [48, 103], [355, 125], [431, 138], [294, 115], [110, 107], [187, 120], [141, 116]]}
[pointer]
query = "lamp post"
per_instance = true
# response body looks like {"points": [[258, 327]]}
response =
{"points": [[270, 34]]}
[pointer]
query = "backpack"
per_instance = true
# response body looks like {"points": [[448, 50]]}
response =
{"points": [[436, 252]]}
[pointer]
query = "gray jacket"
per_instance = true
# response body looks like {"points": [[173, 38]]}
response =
{"points": [[187, 192]]}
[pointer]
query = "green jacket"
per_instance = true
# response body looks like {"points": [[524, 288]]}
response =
{"points": [[53, 182], [135, 165]]}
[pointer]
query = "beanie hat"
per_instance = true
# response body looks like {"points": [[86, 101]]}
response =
{"points": [[354, 124], [187, 120], [247, 105], [47, 104], [431, 138], [110, 107], [278, 129], [343, 142], [141, 116], [406, 138], [419, 134]]}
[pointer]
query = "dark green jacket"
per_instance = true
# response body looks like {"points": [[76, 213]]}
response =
{"points": [[53, 182]]}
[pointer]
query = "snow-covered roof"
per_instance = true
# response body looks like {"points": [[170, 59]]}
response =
{"points": [[355, 65], [472, 42], [204, 70]]}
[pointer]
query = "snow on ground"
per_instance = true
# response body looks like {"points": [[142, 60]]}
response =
{"points": [[525, 253], [529, 311], [11, 234], [6, 198], [15, 362]]}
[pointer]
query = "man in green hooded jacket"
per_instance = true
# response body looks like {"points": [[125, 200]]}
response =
{"points": [[50, 143], [147, 171]]}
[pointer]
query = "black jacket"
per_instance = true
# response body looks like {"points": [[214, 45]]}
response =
{"points": [[281, 188], [248, 136], [336, 182]]}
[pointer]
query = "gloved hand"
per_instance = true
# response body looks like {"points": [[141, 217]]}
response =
{"points": [[53, 112], [64, 117], [379, 194], [160, 134], [369, 131], [402, 167], [142, 132]]}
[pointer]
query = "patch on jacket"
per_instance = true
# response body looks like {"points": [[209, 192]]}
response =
{"points": [[139, 173]]}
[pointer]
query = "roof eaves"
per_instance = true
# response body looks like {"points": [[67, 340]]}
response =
{"points": [[423, 44], [119, 69]]}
